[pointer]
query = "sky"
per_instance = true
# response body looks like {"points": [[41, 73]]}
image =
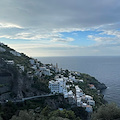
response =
{"points": [[61, 27]]}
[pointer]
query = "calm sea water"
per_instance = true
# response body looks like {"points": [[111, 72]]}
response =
{"points": [[104, 69]]}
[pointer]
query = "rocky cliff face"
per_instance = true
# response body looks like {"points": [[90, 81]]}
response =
{"points": [[14, 84], [5, 81], [14, 81]]}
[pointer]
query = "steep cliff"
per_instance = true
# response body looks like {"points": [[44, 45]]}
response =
{"points": [[14, 82]]}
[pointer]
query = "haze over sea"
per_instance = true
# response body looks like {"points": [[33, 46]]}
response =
{"points": [[104, 69]]}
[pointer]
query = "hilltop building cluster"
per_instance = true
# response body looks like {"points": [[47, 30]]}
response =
{"points": [[60, 84], [78, 97], [43, 69]]}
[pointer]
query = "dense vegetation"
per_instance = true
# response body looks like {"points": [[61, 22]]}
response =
{"points": [[46, 114], [38, 107], [107, 112]]}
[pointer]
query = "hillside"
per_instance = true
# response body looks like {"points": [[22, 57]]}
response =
{"points": [[25, 77], [14, 80], [20, 75]]}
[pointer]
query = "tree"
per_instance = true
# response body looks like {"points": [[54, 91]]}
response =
{"points": [[58, 118], [1, 118], [107, 112], [80, 112], [45, 111], [64, 114], [8, 110], [24, 115], [66, 74]]}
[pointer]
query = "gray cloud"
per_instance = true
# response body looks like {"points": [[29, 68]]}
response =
{"points": [[45, 19], [40, 18], [60, 14], [64, 40]]}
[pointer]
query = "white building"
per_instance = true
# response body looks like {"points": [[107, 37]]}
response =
{"points": [[56, 68], [65, 78], [15, 53], [32, 61], [87, 97], [79, 102], [91, 102], [92, 86], [84, 104], [81, 81], [34, 67], [79, 94], [58, 86], [72, 78], [70, 93], [54, 86], [89, 109], [2, 49], [42, 68], [71, 97], [47, 72], [77, 73], [1, 44], [79, 91], [62, 85], [21, 67], [38, 73], [10, 62]]}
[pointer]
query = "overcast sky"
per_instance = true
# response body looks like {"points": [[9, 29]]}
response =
{"points": [[61, 27]]}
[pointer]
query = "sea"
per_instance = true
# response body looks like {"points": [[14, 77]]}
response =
{"points": [[105, 69]]}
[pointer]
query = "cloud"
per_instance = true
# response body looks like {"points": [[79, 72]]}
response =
{"points": [[41, 22], [64, 40], [114, 33], [9, 25], [60, 14], [42, 46], [101, 39], [37, 19]]}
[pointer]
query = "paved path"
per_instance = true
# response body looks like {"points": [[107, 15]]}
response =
{"points": [[28, 98]]}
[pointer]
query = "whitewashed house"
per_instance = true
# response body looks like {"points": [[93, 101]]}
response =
{"points": [[92, 86], [42, 68], [89, 109], [34, 67], [91, 102], [84, 104], [70, 93], [54, 86], [62, 84], [10, 62], [2, 49], [32, 61], [1, 44], [56, 68], [58, 86], [79, 102], [72, 78], [38, 73], [88, 97], [21, 67], [81, 80], [47, 72], [79, 91], [71, 97], [15, 53]]}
